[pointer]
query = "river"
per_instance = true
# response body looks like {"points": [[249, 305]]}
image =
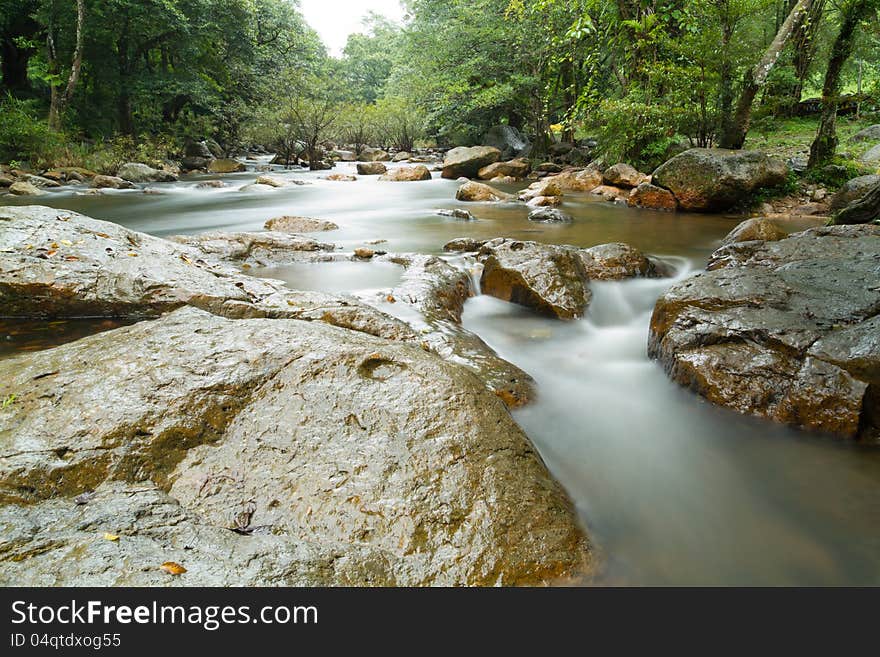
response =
{"points": [[672, 489]]}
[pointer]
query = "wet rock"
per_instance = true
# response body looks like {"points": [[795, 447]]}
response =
{"points": [[364, 253], [714, 179], [549, 216], [438, 291], [407, 174], [853, 190], [549, 167], [375, 155], [479, 192], [544, 201], [518, 168], [290, 224], [225, 165], [757, 228], [195, 163], [215, 184], [340, 177], [464, 245], [458, 213], [371, 168], [197, 149], [784, 330], [467, 161], [141, 173], [623, 175], [549, 279], [579, 180], [55, 263], [40, 181], [336, 458], [402, 156], [256, 249], [6, 181], [21, 188], [271, 181], [111, 182], [617, 261], [503, 180], [610, 193], [651, 197], [256, 187], [544, 187]]}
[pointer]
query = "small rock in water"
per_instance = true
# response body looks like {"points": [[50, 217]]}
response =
{"points": [[364, 253], [211, 183], [549, 216], [458, 213]]}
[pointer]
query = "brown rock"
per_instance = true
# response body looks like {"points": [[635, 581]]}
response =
{"points": [[408, 174], [291, 224], [478, 192], [651, 197]]}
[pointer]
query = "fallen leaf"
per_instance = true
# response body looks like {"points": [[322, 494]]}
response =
{"points": [[70, 258], [110, 537], [173, 568], [390, 299], [54, 245], [51, 253], [133, 255], [67, 242], [102, 235]]}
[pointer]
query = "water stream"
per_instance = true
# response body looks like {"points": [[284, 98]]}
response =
{"points": [[673, 490]]}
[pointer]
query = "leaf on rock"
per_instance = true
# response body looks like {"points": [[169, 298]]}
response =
{"points": [[173, 568], [110, 537]]}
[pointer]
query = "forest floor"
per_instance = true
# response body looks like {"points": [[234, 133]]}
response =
{"points": [[791, 138]]}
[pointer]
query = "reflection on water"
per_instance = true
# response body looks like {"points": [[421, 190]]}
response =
{"points": [[21, 335], [337, 277], [674, 490]]}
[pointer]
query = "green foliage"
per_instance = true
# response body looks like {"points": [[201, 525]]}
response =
{"points": [[24, 134], [837, 172], [6, 403]]}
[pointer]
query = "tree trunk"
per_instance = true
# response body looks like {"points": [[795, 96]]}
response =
{"points": [[863, 211], [726, 81], [804, 47], [825, 143], [756, 78], [60, 100]]}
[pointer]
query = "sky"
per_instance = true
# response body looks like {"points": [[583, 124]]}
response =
{"points": [[334, 20]]}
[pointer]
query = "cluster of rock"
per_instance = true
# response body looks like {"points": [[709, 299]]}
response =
{"points": [[782, 327], [255, 434], [699, 179], [25, 183], [553, 279]]}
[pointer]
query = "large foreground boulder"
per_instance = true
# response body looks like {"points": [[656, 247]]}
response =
{"points": [[786, 330], [269, 452], [714, 179], [467, 161]]}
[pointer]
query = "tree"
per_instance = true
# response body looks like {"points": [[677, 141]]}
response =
{"points": [[735, 134], [60, 99], [825, 143]]}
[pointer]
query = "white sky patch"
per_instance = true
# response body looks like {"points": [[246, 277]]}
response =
{"points": [[334, 20]]}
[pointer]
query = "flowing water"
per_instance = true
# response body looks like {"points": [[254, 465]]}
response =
{"points": [[673, 490]]}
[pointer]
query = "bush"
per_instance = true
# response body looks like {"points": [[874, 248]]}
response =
{"points": [[23, 134]]}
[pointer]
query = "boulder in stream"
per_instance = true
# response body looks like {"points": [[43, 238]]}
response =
{"points": [[415, 173], [141, 173], [371, 168], [478, 192], [714, 179], [467, 161], [785, 330], [292, 224]]}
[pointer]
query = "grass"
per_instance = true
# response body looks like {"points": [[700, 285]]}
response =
{"points": [[788, 138]]}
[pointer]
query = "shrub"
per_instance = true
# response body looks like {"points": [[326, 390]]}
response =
{"points": [[23, 134]]}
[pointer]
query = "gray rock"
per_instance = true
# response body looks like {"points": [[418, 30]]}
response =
{"points": [[111, 182], [548, 215], [853, 190], [291, 224], [785, 330], [290, 453], [458, 213], [464, 245], [141, 173], [55, 263], [255, 249], [872, 156], [371, 168], [757, 228], [21, 188], [871, 133], [467, 161], [617, 261]]}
